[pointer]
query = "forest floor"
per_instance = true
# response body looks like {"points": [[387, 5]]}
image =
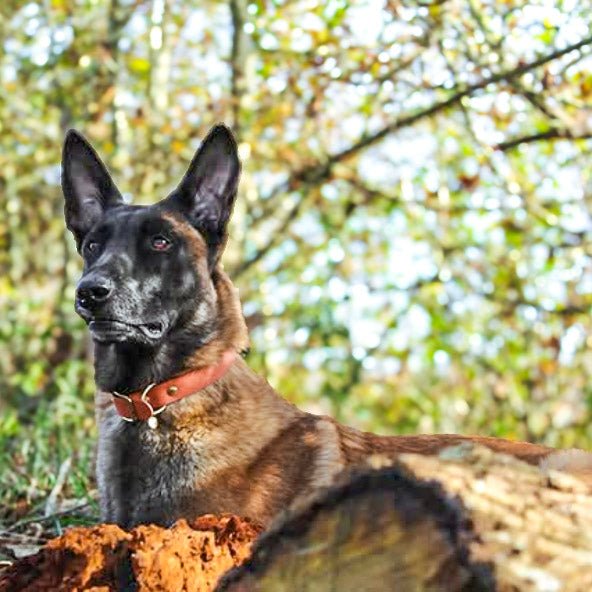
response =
{"points": [[46, 476]]}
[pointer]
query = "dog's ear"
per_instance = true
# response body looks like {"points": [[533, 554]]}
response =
{"points": [[207, 192], [87, 186]]}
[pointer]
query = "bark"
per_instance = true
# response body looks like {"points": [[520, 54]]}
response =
{"points": [[467, 520]]}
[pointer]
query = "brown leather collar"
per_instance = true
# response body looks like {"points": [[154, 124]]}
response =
{"points": [[144, 405]]}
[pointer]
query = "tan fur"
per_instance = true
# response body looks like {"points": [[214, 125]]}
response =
{"points": [[194, 240], [237, 446], [233, 333]]}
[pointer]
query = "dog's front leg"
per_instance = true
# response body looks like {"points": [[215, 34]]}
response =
{"points": [[115, 470]]}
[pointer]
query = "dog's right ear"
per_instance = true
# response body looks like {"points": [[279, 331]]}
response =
{"points": [[207, 192], [87, 186]]}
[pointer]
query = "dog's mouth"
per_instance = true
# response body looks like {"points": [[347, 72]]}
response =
{"points": [[113, 330]]}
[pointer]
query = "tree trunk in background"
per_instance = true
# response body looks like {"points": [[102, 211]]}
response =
{"points": [[238, 60], [160, 60]]}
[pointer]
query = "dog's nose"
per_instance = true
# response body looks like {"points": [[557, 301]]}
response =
{"points": [[93, 291]]}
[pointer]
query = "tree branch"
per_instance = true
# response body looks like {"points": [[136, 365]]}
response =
{"points": [[551, 134], [408, 120], [317, 173], [276, 236]]}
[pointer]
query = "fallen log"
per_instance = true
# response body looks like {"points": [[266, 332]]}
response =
{"points": [[466, 520], [379, 530], [533, 526]]}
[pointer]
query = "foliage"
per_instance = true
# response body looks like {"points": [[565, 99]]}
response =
{"points": [[412, 238]]}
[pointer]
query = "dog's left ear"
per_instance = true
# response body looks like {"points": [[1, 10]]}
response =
{"points": [[207, 192]]}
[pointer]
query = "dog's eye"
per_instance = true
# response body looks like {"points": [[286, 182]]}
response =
{"points": [[92, 246], [160, 243]]}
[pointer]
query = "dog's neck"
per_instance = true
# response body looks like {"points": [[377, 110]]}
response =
{"points": [[126, 368]]}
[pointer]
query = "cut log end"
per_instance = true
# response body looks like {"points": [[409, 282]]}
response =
{"points": [[378, 530]]}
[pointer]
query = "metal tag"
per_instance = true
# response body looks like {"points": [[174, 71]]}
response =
{"points": [[152, 422]]}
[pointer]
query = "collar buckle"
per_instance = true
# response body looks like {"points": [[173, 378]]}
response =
{"points": [[139, 408]]}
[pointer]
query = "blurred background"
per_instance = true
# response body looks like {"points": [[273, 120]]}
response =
{"points": [[412, 240]]}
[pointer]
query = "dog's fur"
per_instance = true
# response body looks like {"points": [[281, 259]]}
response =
{"points": [[157, 311]]}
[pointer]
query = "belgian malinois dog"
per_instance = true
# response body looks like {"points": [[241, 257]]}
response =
{"points": [[185, 427]]}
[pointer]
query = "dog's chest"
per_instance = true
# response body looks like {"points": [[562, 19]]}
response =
{"points": [[151, 475]]}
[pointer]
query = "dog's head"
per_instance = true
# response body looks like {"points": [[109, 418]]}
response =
{"points": [[149, 270]]}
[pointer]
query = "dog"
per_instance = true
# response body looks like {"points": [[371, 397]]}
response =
{"points": [[185, 426]]}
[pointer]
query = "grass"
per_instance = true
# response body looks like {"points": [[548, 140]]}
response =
{"points": [[46, 468]]}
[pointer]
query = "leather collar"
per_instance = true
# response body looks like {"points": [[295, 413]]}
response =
{"points": [[145, 405]]}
